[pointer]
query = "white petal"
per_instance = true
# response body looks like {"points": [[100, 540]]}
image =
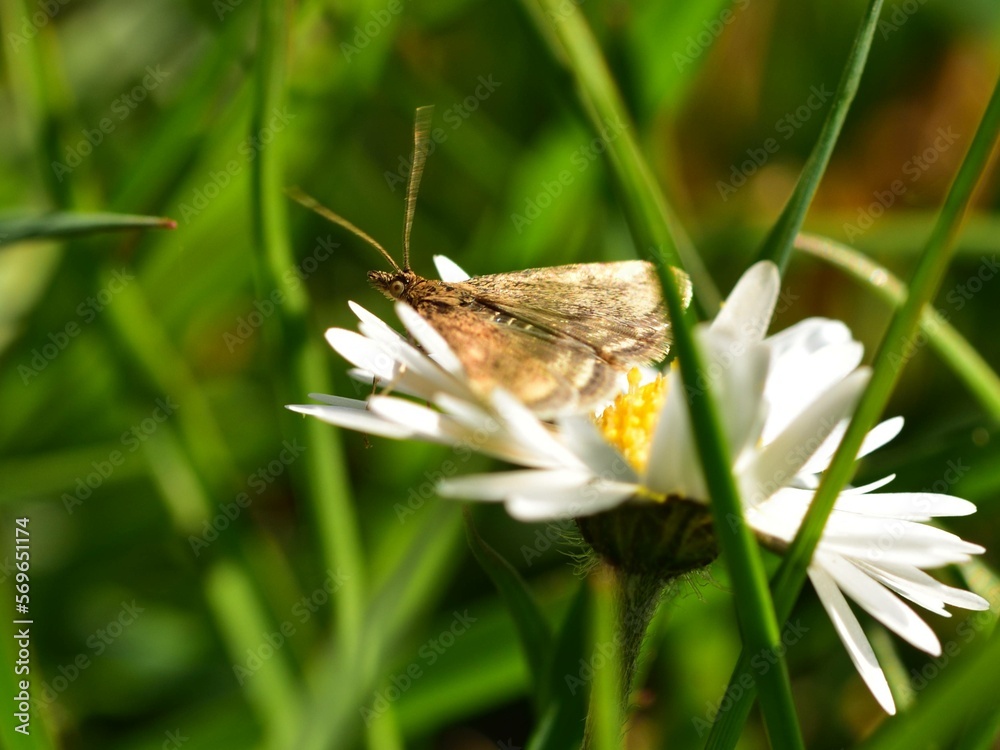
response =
{"points": [[489, 434], [355, 419], [870, 487], [347, 403], [673, 467], [556, 504], [852, 636], [747, 311], [881, 434], [873, 538], [361, 352], [737, 375], [809, 358], [586, 442], [524, 427], [738, 388], [879, 602], [777, 463], [912, 506], [892, 540], [449, 270], [432, 342], [396, 363], [470, 413], [366, 316], [418, 418], [919, 587], [435, 426], [391, 362], [373, 326], [406, 382], [504, 484], [365, 376], [809, 336]]}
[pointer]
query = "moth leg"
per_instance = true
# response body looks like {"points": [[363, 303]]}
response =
{"points": [[365, 437], [391, 386]]}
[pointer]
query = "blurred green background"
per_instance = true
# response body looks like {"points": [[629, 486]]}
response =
{"points": [[143, 373]]}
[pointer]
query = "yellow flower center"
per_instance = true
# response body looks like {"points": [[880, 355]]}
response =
{"points": [[628, 423]]}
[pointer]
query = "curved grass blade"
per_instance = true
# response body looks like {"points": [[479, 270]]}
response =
{"points": [[532, 628], [981, 379], [561, 725], [778, 244], [32, 226]]}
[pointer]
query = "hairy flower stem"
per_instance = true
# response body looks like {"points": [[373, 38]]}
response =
{"points": [[636, 596]]}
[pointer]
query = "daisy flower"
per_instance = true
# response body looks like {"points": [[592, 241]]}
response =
{"points": [[631, 476]]}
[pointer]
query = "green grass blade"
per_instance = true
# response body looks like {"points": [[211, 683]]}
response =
{"points": [[295, 344], [150, 348], [888, 365], [778, 244], [532, 628], [966, 692], [967, 363], [271, 689], [38, 735], [608, 696], [348, 673], [18, 228], [52, 472], [651, 220], [758, 622], [42, 99], [561, 726], [982, 734], [574, 45], [178, 136], [231, 592], [483, 669]]}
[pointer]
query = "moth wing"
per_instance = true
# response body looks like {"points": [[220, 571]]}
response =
{"points": [[549, 373], [616, 309]]}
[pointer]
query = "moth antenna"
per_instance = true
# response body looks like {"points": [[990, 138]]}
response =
{"points": [[312, 204], [421, 138]]}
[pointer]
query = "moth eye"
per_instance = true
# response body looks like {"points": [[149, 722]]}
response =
{"points": [[396, 288]]}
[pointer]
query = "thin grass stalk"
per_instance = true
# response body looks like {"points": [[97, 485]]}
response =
{"points": [[574, 46], [777, 246], [954, 349], [294, 347]]}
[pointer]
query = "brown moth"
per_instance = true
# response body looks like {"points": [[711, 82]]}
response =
{"points": [[556, 338]]}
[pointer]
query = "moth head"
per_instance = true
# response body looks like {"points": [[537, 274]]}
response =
{"points": [[393, 284]]}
